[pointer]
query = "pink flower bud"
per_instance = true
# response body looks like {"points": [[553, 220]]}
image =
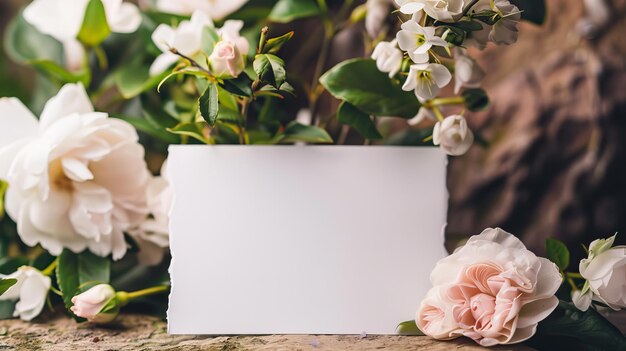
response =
{"points": [[98, 304], [226, 60]]}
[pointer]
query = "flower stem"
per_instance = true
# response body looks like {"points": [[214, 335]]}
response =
{"points": [[124, 297], [438, 113], [574, 275], [468, 7], [50, 269], [457, 100]]}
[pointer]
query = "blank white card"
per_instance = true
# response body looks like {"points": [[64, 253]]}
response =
{"points": [[303, 239]]}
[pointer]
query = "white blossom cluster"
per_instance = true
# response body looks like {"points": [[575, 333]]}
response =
{"points": [[430, 53]]}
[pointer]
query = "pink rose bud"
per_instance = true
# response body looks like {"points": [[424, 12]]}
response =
{"points": [[98, 304], [226, 60]]}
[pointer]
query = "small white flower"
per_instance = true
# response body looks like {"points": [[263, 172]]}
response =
{"points": [[504, 31], [453, 135], [63, 19], [422, 115], [388, 57], [427, 79], [152, 235], [442, 10], [31, 291], [77, 178], [605, 271], [417, 40], [186, 38], [377, 12], [217, 9], [467, 73]]}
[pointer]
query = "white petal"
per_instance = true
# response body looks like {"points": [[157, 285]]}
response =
{"points": [[16, 122], [76, 170], [499, 236], [62, 19], [536, 311], [582, 301], [72, 98], [32, 295], [411, 8], [163, 37], [126, 20], [441, 75], [75, 55]]}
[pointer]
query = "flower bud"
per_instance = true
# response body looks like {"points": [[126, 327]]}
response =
{"points": [[453, 135], [226, 60], [98, 304]]}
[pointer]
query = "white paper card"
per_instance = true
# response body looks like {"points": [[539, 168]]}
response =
{"points": [[303, 239]]}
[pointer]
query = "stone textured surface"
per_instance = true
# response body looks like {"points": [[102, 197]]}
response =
{"points": [[136, 332]]}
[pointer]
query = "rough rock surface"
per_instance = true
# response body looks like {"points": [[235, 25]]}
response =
{"points": [[556, 163]]}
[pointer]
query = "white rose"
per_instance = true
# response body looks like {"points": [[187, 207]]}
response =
{"points": [[97, 305], [186, 38], [230, 32], [492, 290], [77, 179], [152, 235], [605, 271], [226, 60], [217, 9], [467, 73], [31, 291], [63, 19], [453, 135], [388, 57], [427, 79]]}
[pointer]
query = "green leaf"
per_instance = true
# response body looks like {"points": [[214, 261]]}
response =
{"points": [[273, 45], [209, 104], [3, 188], [270, 69], [567, 325], [95, 27], [558, 253], [411, 137], [24, 43], [242, 85], [194, 130], [74, 270], [132, 80], [359, 120], [360, 83], [5, 284], [286, 11], [409, 328], [296, 132], [210, 37], [532, 10], [9, 265], [6, 308], [476, 99], [59, 73]]}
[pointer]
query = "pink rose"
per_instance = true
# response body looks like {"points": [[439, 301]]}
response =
{"points": [[492, 290], [98, 304], [226, 60]]}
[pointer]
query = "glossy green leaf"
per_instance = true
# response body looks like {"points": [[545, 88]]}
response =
{"points": [[286, 11], [270, 69], [273, 45], [132, 80], [557, 252], [60, 74], [532, 10], [409, 328], [23, 43], [360, 83], [95, 27], [349, 115], [209, 104], [568, 326], [194, 130], [296, 132], [5, 284], [242, 85], [74, 270], [9, 265]]}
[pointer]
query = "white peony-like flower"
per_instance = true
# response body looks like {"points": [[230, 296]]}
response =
{"points": [[152, 235], [467, 73], [605, 271], [492, 290], [216, 9], [77, 179], [453, 135], [186, 38], [388, 57], [427, 79], [441, 10], [63, 19], [417, 40], [30, 290]]}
